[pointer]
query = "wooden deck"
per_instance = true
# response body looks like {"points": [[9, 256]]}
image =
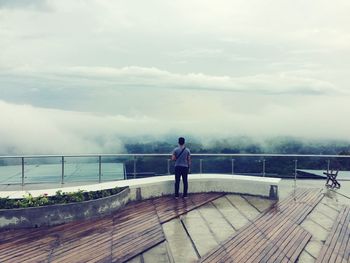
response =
{"points": [[337, 246], [116, 238], [276, 235]]}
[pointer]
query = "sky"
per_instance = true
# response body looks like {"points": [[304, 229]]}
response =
{"points": [[78, 76]]}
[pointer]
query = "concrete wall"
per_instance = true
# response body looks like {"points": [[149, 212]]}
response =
{"points": [[62, 213], [164, 185]]}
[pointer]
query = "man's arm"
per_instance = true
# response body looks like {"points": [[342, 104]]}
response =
{"points": [[173, 156]]}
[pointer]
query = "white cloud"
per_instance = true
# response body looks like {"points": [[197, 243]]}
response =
{"points": [[40, 5], [27, 129], [133, 76]]}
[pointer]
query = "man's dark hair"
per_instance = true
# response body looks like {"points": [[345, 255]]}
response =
{"points": [[181, 140]]}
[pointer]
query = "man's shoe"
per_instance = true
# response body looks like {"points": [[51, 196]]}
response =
{"points": [[185, 196], [176, 197]]}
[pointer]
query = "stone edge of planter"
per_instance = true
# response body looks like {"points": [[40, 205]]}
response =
{"points": [[62, 213]]}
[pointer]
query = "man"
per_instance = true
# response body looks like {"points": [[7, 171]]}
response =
{"points": [[182, 157]]}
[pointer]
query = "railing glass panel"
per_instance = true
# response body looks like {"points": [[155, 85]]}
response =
{"points": [[93, 168]]}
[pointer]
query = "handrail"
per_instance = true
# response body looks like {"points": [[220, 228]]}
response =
{"points": [[135, 155], [169, 154]]}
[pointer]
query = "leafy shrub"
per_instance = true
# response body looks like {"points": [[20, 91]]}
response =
{"points": [[59, 198]]}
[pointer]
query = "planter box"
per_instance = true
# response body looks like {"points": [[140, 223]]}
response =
{"points": [[62, 213]]}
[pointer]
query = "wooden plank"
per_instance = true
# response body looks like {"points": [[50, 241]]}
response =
{"points": [[246, 251], [217, 253], [300, 198], [343, 240], [40, 246], [296, 253], [347, 251], [271, 232], [126, 254], [310, 206], [332, 237], [271, 248], [247, 233], [144, 224], [336, 247], [338, 243], [136, 236], [172, 208], [285, 246], [137, 227], [95, 245], [299, 243], [80, 245], [278, 253], [272, 236]]}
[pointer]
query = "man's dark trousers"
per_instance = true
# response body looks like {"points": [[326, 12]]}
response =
{"points": [[181, 171]]}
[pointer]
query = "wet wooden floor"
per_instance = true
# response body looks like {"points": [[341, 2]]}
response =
{"points": [[216, 227], [116, 238], [275, 236]]}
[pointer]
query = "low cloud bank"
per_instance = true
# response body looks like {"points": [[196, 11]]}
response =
{"points": [[282, 83], [30, 130]]}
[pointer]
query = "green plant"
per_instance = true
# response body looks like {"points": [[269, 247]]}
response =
{"points": [[59, 198], [75, 196], [27, 201], [42, 200], [5, 202]]}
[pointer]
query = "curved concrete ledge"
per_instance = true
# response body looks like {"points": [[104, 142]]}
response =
{"points": [[201, 183], [62, 213]]}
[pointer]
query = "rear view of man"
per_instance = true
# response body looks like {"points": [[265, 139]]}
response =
{"points": [[182, 157]]}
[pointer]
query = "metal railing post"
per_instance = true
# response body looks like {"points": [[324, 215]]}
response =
{"points": [[295, 177], [233, 166], [263, 168], [22, 171], [169, 166], [125, 174], [62, 178], [135, 157], [134, 166], [328, 165], [99, 169]]}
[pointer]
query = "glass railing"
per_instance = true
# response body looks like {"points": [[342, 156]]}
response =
{"points": [[92, 168]]}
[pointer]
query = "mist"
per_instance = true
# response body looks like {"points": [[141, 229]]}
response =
{"points": [[30, 130]]}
